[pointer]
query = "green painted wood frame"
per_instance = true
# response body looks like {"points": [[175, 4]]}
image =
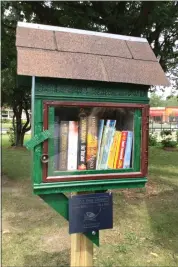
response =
{"points": [[68, 90]]}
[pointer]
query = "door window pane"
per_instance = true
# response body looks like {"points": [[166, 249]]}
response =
{"points": [[98, 138]]}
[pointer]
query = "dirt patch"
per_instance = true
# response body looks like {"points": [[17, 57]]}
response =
{"points": [[56, 242], [13, 190], [171, 149], [5, 180], [15, 187], [149, 190], [7, 228], [17, 147]]}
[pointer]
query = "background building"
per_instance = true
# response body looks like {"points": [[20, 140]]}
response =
{"points": [[164, 114]]}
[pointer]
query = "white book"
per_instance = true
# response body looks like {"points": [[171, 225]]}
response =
{"points": [[128, 150], [107, 147], [72, 146]]}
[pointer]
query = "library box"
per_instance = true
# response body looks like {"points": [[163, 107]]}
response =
{"points": [[90, 107]]}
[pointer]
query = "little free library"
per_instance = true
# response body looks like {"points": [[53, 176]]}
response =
{"points": [[90, 122], [90, 107]]}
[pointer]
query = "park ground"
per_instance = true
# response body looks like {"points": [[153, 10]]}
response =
{"points": [[145, 229]]}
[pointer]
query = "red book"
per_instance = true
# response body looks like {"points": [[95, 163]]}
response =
{"points": [[121, 153]]}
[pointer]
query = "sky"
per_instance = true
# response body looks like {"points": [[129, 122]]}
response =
{"points": [[167, 92]]}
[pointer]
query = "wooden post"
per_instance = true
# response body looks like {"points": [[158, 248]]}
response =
{"points": [[81, 248], [81, 251]]}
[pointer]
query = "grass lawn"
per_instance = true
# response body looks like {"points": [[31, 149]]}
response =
{"points": [[145, 229], [6, 125]]}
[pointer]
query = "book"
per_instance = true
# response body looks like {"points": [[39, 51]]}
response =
{"points": [[122, 150], [105, 144], [112, 151], [100, 133], [82, 140], [63, 145], [111, 123], [106, 149], [102, 145], [92, 142], [56, 142], [72, 145], [128, 150], [117, 149]]}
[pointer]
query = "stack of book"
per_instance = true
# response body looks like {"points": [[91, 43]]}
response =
{"points": [[90, 144]]}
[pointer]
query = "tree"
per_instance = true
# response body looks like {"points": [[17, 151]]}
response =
{"points": [[155, 20], [156, 101], [171, 101], [13, 94]]}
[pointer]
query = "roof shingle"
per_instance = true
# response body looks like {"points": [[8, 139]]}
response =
{"points": [[46, 52]]}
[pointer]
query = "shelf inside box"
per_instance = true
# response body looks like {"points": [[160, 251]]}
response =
{"points": [[91, 172]]}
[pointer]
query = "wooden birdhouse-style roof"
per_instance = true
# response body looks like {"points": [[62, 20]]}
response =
{"points": [[48, 51]]}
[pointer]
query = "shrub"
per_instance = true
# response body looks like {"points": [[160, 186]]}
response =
{"points": [[152, 139], [11, 135], [166, 132], [169, 138]]}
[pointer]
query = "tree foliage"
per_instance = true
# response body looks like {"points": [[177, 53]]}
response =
{"points": [[155, 20], [13, 95], [158, 101]]}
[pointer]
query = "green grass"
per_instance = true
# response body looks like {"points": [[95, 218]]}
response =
{"points": [[145, 229], [15, 162], [6, 125]]}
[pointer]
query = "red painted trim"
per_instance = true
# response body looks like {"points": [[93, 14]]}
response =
{"points": [[93, 177], [45, 144], [145, 133], [144, 142], [92, 104]]}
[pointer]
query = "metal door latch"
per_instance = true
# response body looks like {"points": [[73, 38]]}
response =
{"points": [[44, 158]]}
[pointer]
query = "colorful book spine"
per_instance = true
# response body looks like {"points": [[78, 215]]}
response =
{"points": [[92, 142], [103, 142], [111, 123], [117, 148], [72, 145], [112, 151], [100, 133], [63, 145], [82, 140], [120, 159], [56, 142], [107, 146], [128, 151]]}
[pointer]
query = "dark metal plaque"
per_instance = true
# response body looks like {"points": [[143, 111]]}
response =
{"points": [[90, 212]]}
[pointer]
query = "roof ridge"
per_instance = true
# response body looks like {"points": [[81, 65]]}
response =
{"points": [[79, 31]]}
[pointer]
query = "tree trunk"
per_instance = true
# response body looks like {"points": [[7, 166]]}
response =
{"points": [[18, 114], [20, 129], [19, 139]]}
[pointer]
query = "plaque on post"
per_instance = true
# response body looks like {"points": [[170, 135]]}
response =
{"points": [[90, 212]]}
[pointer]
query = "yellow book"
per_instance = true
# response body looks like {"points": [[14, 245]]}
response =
{"points": [[113, 151], [117, 149]]}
